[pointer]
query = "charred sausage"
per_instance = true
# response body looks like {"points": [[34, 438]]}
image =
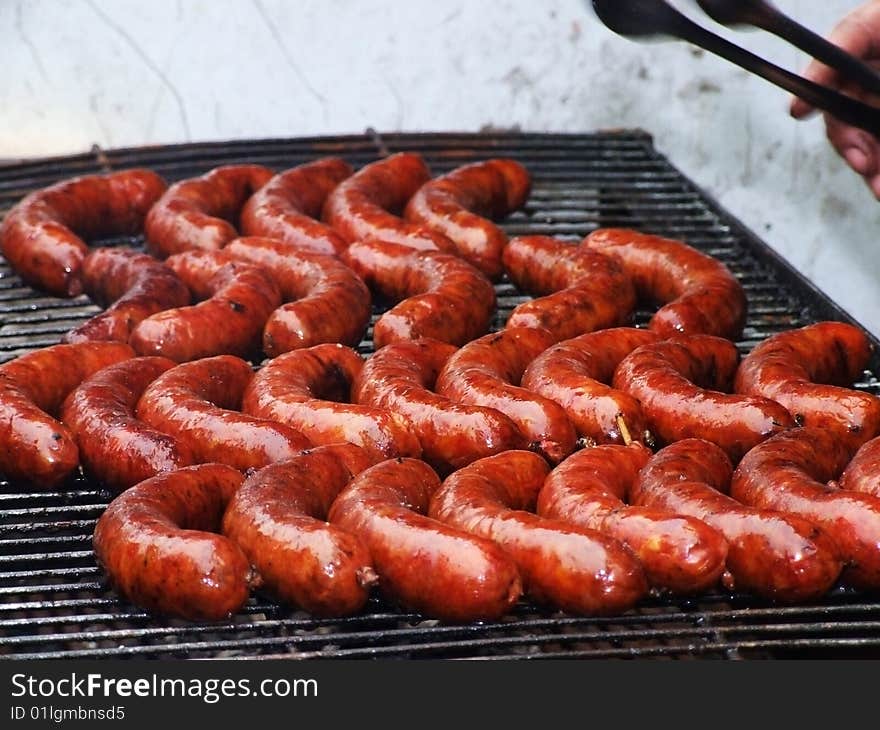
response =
{"points": [[683, 384], [400, 379], [198, 402], [156, 543], [34, 447], [579, 290], [576, 373], [699, 293], [460, 204], [369, 203], [325, 300], [278, 517], [789, 473], [424, 564], [440, 296], [309, 390], [134, 285], [42, 236], [572, 568], [487, 372], [774, 555], [237, 300], [862, 474], [804, 370], [202, 212], [287, 207], [116, 447], [679, 554]]}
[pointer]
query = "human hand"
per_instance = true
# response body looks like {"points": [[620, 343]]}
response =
{"points": [[859, 34]]}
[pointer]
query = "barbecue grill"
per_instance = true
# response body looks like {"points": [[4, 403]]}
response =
{"points": [[55, 603]]}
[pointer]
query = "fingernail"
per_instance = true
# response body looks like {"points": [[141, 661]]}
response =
{"points": [[857, 160]]}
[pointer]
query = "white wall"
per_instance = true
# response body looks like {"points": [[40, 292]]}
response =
{"points": [[120, 73]]}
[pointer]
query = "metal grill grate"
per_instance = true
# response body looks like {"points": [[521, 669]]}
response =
{"points": [[55, 603]]}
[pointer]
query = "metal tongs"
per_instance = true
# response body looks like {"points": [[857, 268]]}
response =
{"points": [[653, 18]]}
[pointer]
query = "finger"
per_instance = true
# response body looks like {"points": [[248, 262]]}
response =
{"points": [[857, 147], [874, 184], [854, 34]]}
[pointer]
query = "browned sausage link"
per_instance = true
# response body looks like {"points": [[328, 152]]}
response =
{"points": [[42, 236], [487, 372], [581, 290], [369, 203], [134, 285], [803, 370], [678, 381], [778, 556], [197, 403], [34, 447], [155, 541], [238, 300], [400, 377], [576, 373], [115, 447], [790, 472], [700, 294], [287, 207], [422, 563], [309, 390], [459, 204], [442, 296], [278, 518], [862, 474], [679, 554], [326, 300], [573, 568], [202, 212]]}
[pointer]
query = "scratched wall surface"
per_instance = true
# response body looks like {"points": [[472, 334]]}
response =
{"points": [[125, 72]]}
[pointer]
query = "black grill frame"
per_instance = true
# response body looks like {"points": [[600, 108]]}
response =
{"points": [[54, 602]]}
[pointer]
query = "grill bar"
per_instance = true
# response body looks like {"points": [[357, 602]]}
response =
{"points": [[54, 600]]}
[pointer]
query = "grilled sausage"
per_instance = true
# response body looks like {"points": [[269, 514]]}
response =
{"points": [[309, 391], [579, 290], [238, 299], [400, 379], [700, 295], [803, 370], [156, 544], [789, 473], [862, 474], [778, 556], [487, 372], [42, 236], [34, 447], [679, 554], [423, 564], [278, 517], [459, 204], [202, 212], [678, 381], [287, 207], [368, 204], [575, 374], [134, 286], [442, 296], [197, 403], [575, 569], [115, 447], [326, 301]]}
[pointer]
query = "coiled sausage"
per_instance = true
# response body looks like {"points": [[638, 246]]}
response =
{"points": [[42, 236]]}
